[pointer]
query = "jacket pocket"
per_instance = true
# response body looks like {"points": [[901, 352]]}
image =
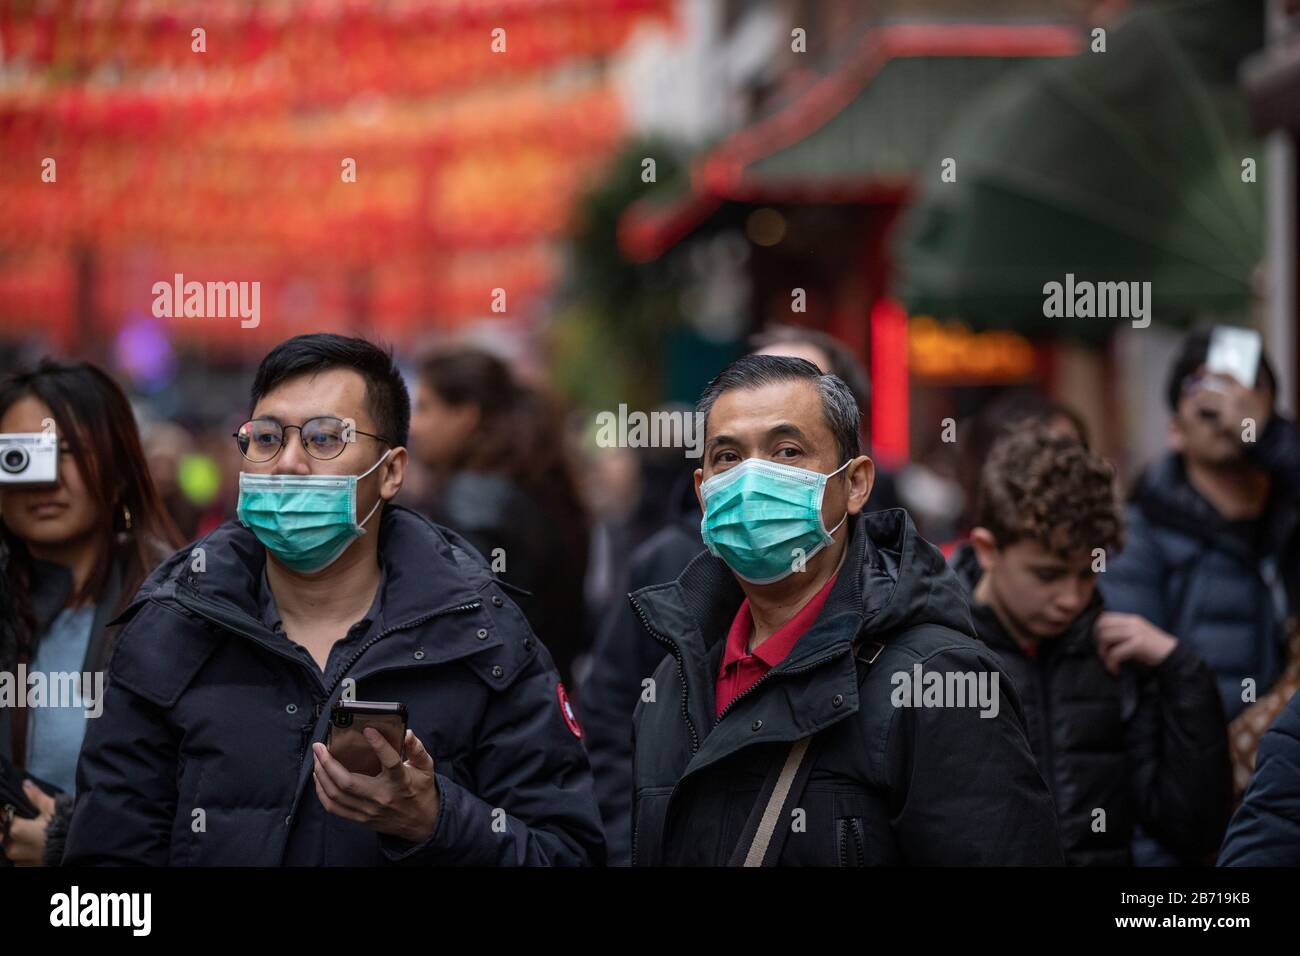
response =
{"points": [[851, 836]]}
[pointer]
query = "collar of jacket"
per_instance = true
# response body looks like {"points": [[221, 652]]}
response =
{"points": [[51, 587], [1167, 498], [890, 578], [1076, 639], [424, 580]]}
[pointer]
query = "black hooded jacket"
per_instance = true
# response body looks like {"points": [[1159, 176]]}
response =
{"points": [[1146, 747], [890, 784], [203, 753]]}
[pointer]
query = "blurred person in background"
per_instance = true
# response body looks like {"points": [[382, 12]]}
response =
{"points": [[624, 655], [73, 556], [1121, 718], [997, 418], [165, 445], [497, 451], [1211, 557], [1212, 526]]}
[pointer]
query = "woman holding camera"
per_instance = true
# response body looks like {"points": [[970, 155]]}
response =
{"points": [[81, 526]]}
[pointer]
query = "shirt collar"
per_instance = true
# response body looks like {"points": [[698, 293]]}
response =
{"points": [[270, 611], [777, 647]]}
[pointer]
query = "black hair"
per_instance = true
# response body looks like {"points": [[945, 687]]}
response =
{"points": [[1192, 355], [387, 399], [843, 416]]}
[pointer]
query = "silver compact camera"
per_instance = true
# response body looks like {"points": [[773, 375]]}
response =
{"points": [[29, 458]]}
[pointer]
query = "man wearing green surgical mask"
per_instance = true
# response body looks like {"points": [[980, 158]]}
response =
{"points": [[236, 649], [783, 728]]}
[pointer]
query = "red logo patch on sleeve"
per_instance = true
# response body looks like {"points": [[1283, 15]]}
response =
{"points": [[566, 710]]}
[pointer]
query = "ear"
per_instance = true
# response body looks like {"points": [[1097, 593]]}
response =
{"points": [[392, 473], [861, 477], [986, 548], [699, 480]]}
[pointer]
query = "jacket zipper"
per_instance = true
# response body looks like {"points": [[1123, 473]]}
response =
{"points": [[681, 675], [681, 669], [1044, 700], [686, 716], [217, 615], [776, 671], [414, 622], [214, 614]]}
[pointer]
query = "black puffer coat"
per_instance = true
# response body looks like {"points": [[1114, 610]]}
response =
{"points": [[208, 709], [1147, 747]]}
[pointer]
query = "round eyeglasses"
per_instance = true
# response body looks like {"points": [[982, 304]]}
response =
{"points": [[325, 437]]}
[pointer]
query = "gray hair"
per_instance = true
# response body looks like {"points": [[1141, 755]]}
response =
{"points": [[843, 416]]}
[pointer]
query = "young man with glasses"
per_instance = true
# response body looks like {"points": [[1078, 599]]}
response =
{"points": [[211, 749]]}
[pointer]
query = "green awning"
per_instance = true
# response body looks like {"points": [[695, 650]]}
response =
{"points": [[889, 131], [1123, 166]]}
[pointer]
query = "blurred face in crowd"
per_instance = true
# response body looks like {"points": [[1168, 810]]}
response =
{"points": [[803, 350], [1064, 425], [439, 431], [56, 516], [1037, 592], [783, 422], [340, 393], [1202, 428]]}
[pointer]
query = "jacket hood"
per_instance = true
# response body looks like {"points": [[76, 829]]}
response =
{"points": [[891, 579], [1167, 499], [422, 571]]}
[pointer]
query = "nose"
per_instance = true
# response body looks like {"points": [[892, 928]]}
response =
{"points": [[1071, 597], [292, 459]]}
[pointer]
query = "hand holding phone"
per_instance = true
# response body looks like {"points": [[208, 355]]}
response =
{"points": [[402, 800], [347, 741], [1234, 352]]}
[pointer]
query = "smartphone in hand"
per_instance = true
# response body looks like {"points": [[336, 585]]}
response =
{"points": [[347, 742], [1234, 352]]}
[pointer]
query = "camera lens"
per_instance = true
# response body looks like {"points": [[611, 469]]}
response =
{"points": [[13, 460]]}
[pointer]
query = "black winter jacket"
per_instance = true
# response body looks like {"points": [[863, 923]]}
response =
{"points": [[540, 549], [623, 657], [208, 709], [889, 784], [1265, 830], [1145, 747]]}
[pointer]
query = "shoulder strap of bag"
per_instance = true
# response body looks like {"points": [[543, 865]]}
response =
{"points": [[766, 829]]}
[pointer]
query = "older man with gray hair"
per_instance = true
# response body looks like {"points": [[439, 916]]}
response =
{"points": [[777, 730]]}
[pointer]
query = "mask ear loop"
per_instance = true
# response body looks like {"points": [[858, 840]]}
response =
{"points": [[378, 501], [831, 534]]}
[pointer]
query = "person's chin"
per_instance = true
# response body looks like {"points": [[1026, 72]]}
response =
{"points": [[1049, 629]]}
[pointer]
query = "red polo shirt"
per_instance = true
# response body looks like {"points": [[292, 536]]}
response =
{"points": [[741, 670]]}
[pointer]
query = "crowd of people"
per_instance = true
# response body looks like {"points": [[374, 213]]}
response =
{"points": [[761, 660]]}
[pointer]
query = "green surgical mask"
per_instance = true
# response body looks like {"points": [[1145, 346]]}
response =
{"points": [[306, 521], [761, 516]]}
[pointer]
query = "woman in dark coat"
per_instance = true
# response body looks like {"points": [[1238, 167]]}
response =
{"points": [[496, 448]]}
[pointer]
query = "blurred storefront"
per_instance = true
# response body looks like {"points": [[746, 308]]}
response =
{"points": [[1271, 80], [809, 194]]}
